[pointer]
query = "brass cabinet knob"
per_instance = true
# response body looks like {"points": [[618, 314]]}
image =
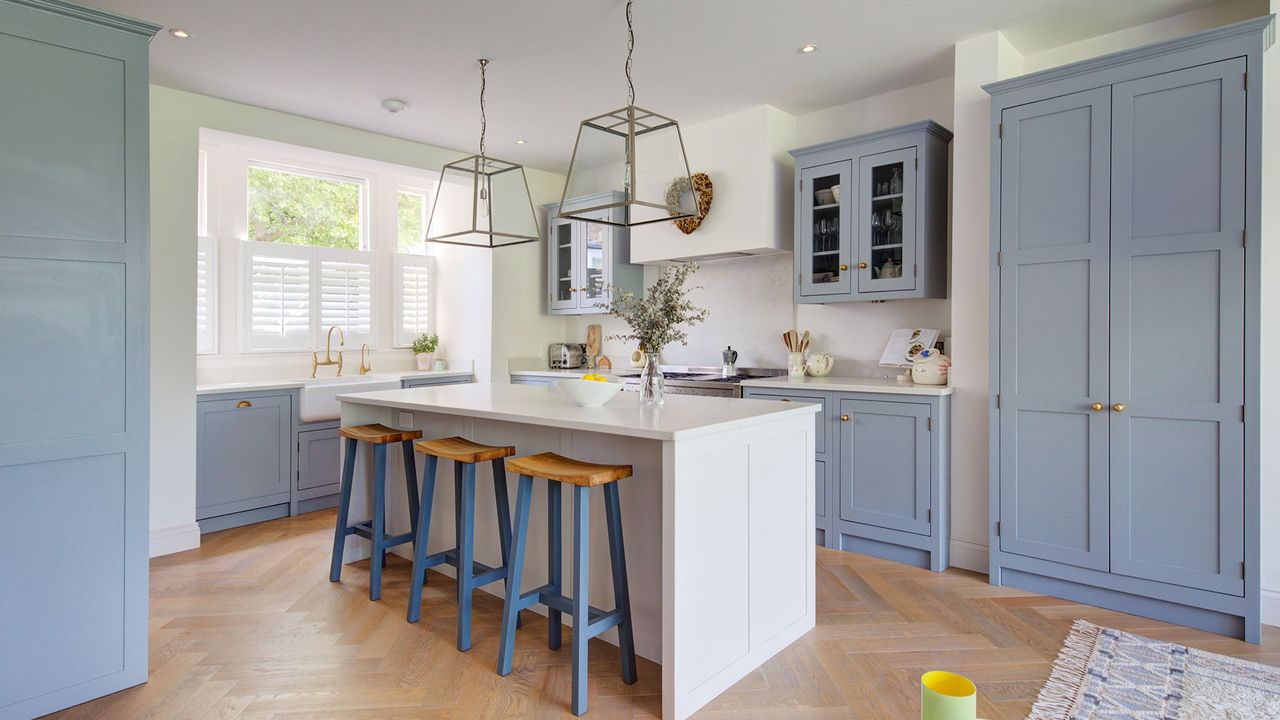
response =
{"points": [[843, 266], [1118, 407], [244, 404], [844, 418], [786, 399], [862, 266], [1097, 407]]}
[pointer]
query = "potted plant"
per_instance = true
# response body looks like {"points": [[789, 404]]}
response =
{"points": [[424, 350], [655, 321]]}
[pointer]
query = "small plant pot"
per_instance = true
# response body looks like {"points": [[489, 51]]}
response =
{"points": [[424, 360]]}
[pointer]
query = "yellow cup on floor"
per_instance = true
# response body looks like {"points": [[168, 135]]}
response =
{"points": [[947, 696]]}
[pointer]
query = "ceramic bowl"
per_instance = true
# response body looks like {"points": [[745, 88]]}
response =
{"points": [[824, 197], [835, 193], [588, 393]]}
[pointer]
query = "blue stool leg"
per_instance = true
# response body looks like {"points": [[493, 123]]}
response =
{"points": [[379, 554], [503, 501], [344, 508], [581, 583], [555, 573], [411, 485], [510, 611], [466, 555], [621, 594], [421, 534]]}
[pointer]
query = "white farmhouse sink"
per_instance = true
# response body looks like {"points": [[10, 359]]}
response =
{"points": [[318, 398]]}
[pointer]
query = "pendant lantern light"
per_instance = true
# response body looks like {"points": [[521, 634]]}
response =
{"points": [[625, 163], [482, 201]]}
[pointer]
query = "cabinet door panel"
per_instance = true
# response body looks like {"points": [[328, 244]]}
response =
{"points": [[885, 465], [318, 458], [825, 233], [887, 221], [1177, 328], [596, 261], [1055, 175], [561, 283], [242, 452], [820, 488]]}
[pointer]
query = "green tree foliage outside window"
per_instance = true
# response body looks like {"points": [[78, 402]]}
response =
{"points": [[295, 209], [411, 214]]}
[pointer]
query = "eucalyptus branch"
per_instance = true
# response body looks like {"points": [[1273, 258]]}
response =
{"points": [[655, 320]]}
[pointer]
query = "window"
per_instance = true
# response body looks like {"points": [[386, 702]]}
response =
{"points": [[317, 240]]}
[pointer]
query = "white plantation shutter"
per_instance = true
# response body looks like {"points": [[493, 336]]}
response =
{"points": [[206, 296], [413, 278], [278, 301], [346, 299]]}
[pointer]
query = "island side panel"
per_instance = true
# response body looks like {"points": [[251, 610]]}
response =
{"points": [[739, 555]]}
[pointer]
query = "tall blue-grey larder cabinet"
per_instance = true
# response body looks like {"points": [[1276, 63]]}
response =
{"points": [[1126, 208], [73, 354]]}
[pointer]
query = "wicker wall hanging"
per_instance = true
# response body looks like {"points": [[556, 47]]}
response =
{"points": [[701, 190]]}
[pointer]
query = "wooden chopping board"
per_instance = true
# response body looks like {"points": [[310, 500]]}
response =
{"points": [[593, 345]]}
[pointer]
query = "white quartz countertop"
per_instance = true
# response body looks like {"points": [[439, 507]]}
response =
{"points": [[575, 373], [292, 383], [848, 384], [683, 416]]}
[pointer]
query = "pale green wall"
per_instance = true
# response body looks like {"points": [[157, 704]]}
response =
{"points": [[520, 328]]}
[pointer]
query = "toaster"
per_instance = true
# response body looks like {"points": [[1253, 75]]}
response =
{"points": [[567, 356]]}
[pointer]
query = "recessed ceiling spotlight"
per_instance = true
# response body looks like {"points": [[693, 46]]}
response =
{"points": [[806, 49], [394, 106], [179, 33], [519, 141]]}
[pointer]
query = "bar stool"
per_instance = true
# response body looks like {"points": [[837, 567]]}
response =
{"points": [[588, 622], [471, 574], [379, 436]]}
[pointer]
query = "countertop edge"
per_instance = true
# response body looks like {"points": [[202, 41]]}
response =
{"points": [[295, 383], [849, 384]]}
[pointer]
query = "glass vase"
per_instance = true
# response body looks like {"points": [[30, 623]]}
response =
{"points": [[652, 388]]}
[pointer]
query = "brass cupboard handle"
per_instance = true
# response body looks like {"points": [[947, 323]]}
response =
{"points": [[244, 404], [862, 266], [844, 418], [843, 266], [1118, 407], [786, 399], [1097, 407]]}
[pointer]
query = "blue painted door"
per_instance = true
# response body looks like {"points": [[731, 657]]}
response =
{"points": [[74, 371], [887, 221], [826, 234], [1055, 176], [884, 464], [319, 452], [243, 449], [1177, 327]]}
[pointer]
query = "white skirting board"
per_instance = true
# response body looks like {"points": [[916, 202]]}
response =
{"points": [[167, 541], [1271, 606], [969, 555]]}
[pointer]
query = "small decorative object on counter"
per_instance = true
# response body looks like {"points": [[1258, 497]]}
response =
{"points": [[590, 390], [655, 321], [820, 364], [439, 364], [796, 345], [729, 368], [930, 368], [424, 350], [604, 363], [795, 365], [593, 345], [947, 696]]}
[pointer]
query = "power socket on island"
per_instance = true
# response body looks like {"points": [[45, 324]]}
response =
{"points": [[406, 420]]}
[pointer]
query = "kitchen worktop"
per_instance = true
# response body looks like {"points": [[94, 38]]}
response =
{"points": [[682, 416], [848, 384], [574, 373], [293, 383]]}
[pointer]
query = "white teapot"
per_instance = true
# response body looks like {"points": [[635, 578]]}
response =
{"points": [[820, 364], [930, 367]]}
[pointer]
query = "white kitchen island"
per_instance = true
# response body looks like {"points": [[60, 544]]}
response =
{"points": [[718, 517]]}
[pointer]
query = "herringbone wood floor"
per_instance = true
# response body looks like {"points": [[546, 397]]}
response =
{"points": [[248, 626]]}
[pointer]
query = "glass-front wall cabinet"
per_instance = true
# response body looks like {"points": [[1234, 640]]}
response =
{"points": [[561, 264], [871, 216], [585, 262]]}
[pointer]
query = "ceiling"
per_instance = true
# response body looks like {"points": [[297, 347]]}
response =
{"points": [[556, 62]]}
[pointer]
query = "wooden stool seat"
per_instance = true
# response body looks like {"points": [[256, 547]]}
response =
{"points": [[378, 434], [463, 450], [573, 472]]}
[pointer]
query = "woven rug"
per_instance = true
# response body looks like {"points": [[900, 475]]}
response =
{"points": [[1104, 673]]}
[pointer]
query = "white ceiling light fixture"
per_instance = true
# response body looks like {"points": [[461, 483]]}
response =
{"points": [[808, 49], [394, 106], [179, 33], [482, 201], [519, 141], [626, 160]]}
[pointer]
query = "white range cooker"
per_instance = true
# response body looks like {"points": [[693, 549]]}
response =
{"points": [[699, 380]]}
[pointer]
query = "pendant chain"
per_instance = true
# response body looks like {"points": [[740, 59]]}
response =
{"points": [[631, 46], [483, 62]]}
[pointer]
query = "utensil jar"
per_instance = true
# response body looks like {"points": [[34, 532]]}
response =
{"points": [[795, 365]]}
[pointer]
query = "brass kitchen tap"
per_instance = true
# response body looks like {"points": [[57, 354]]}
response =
{"points": [[365, 369], [316, 362]]}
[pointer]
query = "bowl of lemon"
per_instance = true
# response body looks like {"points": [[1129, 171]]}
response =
{"points": [[591, 390]]}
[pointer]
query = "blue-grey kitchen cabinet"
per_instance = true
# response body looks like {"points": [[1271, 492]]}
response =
{"points": [[74, 314], [1124, 453], [884, 234], [586, 259], [244, 458], [882, 467]]}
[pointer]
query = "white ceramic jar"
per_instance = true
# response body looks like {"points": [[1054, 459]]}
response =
{"points": [[930, 367]]}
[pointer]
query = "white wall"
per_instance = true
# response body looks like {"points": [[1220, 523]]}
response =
{"points": [[1270, 339]]}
